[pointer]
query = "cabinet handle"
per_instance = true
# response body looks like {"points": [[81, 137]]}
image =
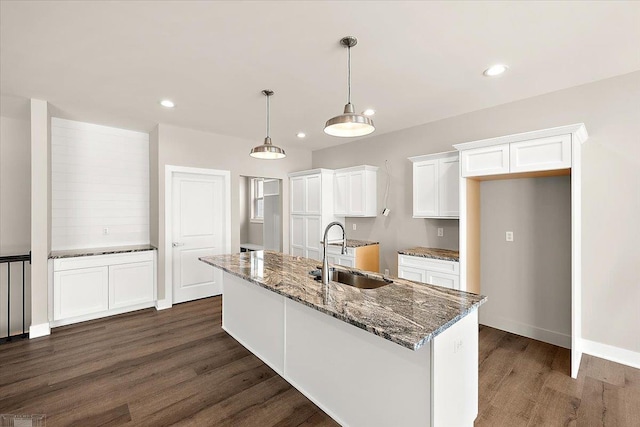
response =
{"points": [[176, 244]]}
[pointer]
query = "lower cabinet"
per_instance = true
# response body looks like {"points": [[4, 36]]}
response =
{"points": [[428, 270], [363, 257], [90, 287]]}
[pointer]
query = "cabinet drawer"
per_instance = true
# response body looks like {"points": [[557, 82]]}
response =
{"points": [[485, 161], [337, 250], [437, 265], [541, 154], [62, 264]]}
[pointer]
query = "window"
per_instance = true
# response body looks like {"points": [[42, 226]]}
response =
{"points": [[257, 200]]}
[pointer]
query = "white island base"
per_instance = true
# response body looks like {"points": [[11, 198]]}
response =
{"points": [[356, 377]]}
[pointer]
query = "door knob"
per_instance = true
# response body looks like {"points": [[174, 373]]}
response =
{"points": [[176, 244]]}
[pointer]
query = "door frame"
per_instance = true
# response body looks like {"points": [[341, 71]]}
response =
{"points": [[169, 171]]}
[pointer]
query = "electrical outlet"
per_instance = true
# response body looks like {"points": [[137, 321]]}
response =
{"points": [[457, 345], [509, 236], [440, 232], [354, 227], [105, 231], [386, 271]]}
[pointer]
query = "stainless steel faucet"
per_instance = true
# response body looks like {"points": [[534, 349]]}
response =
{"points": [[325, 241]]}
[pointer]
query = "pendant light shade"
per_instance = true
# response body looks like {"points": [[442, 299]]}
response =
{"points": [[349, 124], [267, 151]]}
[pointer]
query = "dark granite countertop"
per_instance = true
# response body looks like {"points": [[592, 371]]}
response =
{"points": [[405, 312], [353, 243], [435, 253], [71, 253]]}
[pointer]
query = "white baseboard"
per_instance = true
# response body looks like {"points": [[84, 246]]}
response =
{"points": [[529, 331], [41, 330], [609, 352], [163, 304]]}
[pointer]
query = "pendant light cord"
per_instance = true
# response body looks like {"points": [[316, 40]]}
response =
{"points": [[268, 118], [349, 67]]}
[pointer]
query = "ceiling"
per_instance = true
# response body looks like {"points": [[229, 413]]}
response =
{"points": [[416, 62]]}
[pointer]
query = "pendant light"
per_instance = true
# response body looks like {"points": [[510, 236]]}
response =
{"points": [[349, 124], [267, 151]]}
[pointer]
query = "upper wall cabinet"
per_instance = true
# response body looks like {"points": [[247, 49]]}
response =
{"points": [[435, 185], [307, 195], [540, 154], [355, 191]]}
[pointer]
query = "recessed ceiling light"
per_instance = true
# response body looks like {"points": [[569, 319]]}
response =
{"points": [[369, 112], [167, 103], [495, 70], [301, 134]]}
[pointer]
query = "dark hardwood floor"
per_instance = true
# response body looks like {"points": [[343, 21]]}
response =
{"points": [[178, 367]]}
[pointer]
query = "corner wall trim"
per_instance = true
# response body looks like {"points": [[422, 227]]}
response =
{"points": [[41, 330], [612, 353], [163, 304]]}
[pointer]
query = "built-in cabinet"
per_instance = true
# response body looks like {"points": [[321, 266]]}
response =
{"points": [[545, 152], [90, 287], [436, 180], [355, 191], [540, 154], [428, 270], [311, 211]]}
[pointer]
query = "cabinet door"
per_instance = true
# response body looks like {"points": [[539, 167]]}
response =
{"points": [[313, 235], [449, 187], [541, 154], [313, 195], [357, 194], [450, 281], [297, 235], [298, 194], [412, 273], [79, 292], [341, 194], [425, 189], [485, 161], [130, 284]]}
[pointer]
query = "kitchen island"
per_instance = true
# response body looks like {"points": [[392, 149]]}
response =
{"points": [[403, 354]]}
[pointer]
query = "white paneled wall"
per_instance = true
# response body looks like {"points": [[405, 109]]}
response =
{"points": [[100, 186]]}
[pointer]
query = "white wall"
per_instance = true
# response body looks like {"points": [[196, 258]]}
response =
{"points": [[100, 180], [528, 281], [15, 213], [610, 181], [40, 217], [187, 147]]}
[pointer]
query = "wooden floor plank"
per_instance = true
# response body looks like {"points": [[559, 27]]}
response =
{"points": [[178, 367]]}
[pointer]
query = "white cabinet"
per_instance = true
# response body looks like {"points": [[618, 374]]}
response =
{"points": [[540, 154], [89, 287], [311, 211], [428, 270], [130, 284], [80, 292], [355, 192], [436, 185]]}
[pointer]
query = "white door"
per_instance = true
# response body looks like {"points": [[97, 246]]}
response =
{"points": [[198, 229]]}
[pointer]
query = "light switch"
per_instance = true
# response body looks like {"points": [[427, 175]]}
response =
{"points": [[509, 236]]}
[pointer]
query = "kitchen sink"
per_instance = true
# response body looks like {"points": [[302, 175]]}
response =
{"points": [[353, 279]]}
